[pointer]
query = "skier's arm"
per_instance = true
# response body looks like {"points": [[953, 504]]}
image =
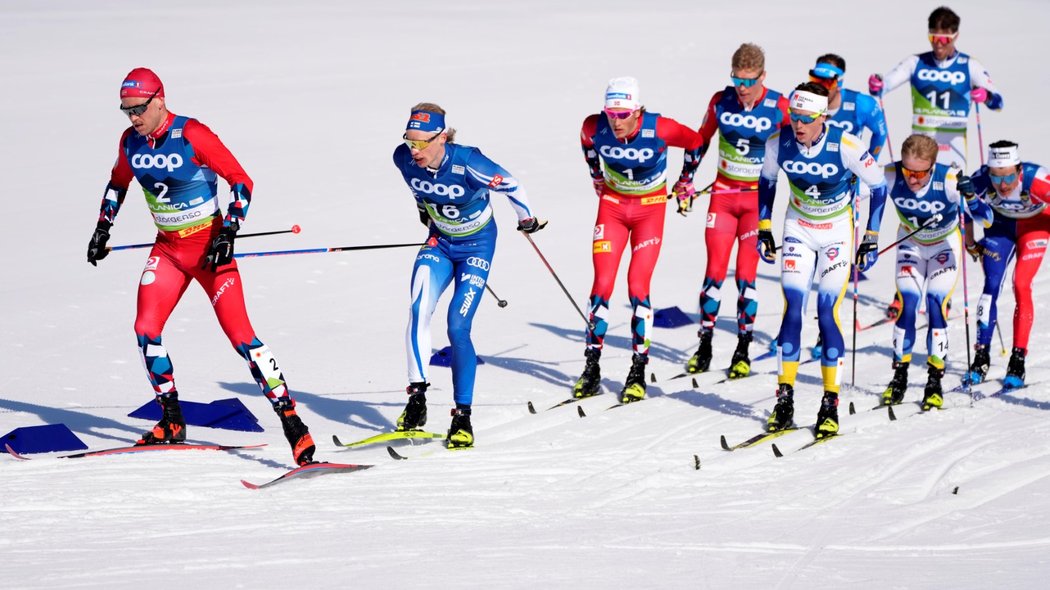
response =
{"points": [[208, 150], [979, 78], [767, 181], [862, 163]]}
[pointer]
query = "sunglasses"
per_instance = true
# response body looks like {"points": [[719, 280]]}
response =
{"points": [[745, 82], [419, 144], [916, 174], [828, 83], [800, 118], [942, 39], [1005, 179], [139, 109], [620, 115]]}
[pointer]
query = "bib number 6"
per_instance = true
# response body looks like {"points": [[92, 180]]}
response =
{"points": [[450, 212]]}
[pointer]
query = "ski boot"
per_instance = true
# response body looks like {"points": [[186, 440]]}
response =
{"points": [[634, 386], [893, 310], [894, 394], [172, 426], [740, 367], [295, 431], [589, 382], [1015, 369], [700, 362], [460, 433], [784, 411], [828, 416], [979, 368], [933, 395], [415, 415]]}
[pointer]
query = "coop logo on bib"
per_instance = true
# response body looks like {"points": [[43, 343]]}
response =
{"points": [[164, 161], [814, 168], [620, 153]]}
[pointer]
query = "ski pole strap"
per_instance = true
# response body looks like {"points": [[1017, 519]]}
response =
{"points": [[937, 217]]}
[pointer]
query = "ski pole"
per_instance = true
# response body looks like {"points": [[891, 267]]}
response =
{"points": [[889, 142], [590, 326], [1002, 345], [856, 289], [937, 217], [499, 302], [980, 136], [323, 250], [966, 300], [294, 230]]}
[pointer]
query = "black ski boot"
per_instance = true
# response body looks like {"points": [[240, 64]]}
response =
{"points": [[700, 362], [415, 415], [982, 359], [634, 386], [784, 412], [297, 434], [590, 381], [172, 426], [828, 416], [933, 395], [740, 366], [1015, 369], [894, 394], [460, 432]]}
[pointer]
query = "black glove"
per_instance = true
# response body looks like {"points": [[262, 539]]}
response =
{"points": [[868, 251], [767, 247], [965, 185], [97, 246], [220, 253], [424, 215], [976, 250], [531, 225]]}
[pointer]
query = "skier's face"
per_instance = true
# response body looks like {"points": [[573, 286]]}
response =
{"points": [[943, 42], [623, 121], [425, 147], [806, 125], [148, 120], [1005, 179], [748, 84], [916, 171]]}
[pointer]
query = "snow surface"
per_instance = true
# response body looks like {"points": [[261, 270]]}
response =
{"points": [[312, 96]]}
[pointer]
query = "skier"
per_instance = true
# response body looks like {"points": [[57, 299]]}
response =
{"points": [[451, 184], [944, 82], [927, 197], [626, 151], [745, 115], [176, 160], [1018, 193], [819, 162]]}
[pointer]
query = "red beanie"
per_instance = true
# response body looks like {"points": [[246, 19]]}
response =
{"points": [[141, 82]]}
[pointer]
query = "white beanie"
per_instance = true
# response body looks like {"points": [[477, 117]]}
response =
{"points": [[1001, 157], [622, 93]]}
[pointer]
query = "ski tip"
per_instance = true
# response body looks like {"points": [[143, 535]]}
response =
{"points": [[579, 410], [337, 442], [852, 409], [532, 408], [250, 485], [695, 384], [955, 492], [776, 451], [722, 440], [395, 455], [652, 377], [893, 415], [696, 462], [15, 453]]}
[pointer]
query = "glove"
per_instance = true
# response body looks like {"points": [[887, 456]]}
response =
{"points": [[965, 186], [868, 251], [979, 95], [220, 253], [685, 193], [767, 247], [599, 186], [97, 246], [875, 85], [424, 216], [531, 225], [976, 250]]}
